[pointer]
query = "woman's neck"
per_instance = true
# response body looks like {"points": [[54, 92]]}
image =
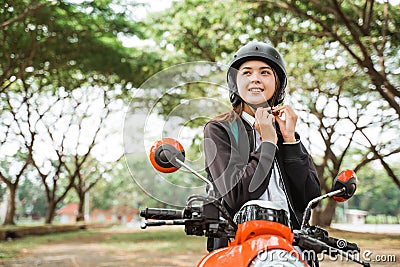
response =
{"points": [[248, 110]]}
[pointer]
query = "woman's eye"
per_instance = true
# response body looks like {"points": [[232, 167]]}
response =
{"points": [[265, 72], [246, 72]]}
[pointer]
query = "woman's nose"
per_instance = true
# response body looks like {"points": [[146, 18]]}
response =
{"points": [[255, 78]]}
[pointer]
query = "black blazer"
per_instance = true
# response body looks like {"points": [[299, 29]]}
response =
{"points": [[240, 173]]}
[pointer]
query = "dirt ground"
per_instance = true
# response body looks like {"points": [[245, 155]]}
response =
{"points": [[90, 252]]}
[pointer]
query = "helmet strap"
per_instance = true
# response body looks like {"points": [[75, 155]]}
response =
{"points": [[255, 106]]}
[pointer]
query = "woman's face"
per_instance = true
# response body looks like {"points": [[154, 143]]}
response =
{"points": [[255, 81]]}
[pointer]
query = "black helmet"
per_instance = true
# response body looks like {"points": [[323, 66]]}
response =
{"points": [[256, 51]]}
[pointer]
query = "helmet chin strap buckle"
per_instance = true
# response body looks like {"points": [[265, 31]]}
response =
{"points": [[261, 105]]}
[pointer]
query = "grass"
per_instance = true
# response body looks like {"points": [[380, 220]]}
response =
{"points": [[162, 240], [167, 243], [11, 248], [365, 238], [165, 240]]}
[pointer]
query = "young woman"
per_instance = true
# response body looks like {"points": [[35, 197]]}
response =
{"points": [[253, 151]]}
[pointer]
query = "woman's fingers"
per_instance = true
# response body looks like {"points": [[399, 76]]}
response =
{"points": [[287, 120], [263, 116], [285, 110], [264, 124]]}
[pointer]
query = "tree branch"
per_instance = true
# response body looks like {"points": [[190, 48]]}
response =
{"points": [[31, 7], [354, 34], [367, 18], [387, 168]]}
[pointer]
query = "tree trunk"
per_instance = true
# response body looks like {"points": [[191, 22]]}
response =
{"points": [[50, 212], [81, 208], [9, 219], [326, 215], [316, 213]]}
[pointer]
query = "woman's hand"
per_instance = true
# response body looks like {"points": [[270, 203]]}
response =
{"points": [[265, 125], [287, 120]]}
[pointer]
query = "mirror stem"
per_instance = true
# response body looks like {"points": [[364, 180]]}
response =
{"points": [[307, 212], [197, 174]]}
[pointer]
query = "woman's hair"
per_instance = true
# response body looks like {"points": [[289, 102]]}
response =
{"points": [[231, 115], [237, 110]]}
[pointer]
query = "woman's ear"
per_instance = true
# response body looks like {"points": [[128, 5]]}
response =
{"points": [[235, 99]]}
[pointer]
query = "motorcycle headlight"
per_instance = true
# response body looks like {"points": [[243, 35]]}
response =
{"points": [[276, 257], [262, 210]]}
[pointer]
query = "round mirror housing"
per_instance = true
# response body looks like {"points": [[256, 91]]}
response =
{"points": [[346, 179], [163, 155]]}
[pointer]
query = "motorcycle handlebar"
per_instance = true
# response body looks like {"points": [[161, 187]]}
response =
{"points": [[162, 214], [342, 244], [316, 239]]}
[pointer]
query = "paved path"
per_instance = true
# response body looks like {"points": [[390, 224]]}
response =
{"points": [[91, 253], [67, 255], [369, 228]]}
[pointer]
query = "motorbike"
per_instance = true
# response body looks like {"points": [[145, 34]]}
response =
{"points": [[260, 233]]}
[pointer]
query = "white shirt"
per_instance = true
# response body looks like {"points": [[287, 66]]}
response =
{"points": [[275, 190]]}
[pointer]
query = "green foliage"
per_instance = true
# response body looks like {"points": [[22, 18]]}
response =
{"points": [[117, 190], [376, 193], [3, 191], [75, 38], [32, 199], [156, 189]]}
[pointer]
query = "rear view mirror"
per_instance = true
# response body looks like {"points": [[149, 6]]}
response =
{"points": [[346, 179], [164, 154]]}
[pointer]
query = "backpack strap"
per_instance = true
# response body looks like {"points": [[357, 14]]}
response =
{"points": [[235, 130]]}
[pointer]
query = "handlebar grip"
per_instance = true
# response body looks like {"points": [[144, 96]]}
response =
{"points": [[162, 214], [342, 244]]}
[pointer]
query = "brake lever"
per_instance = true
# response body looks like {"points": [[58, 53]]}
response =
{"points": [[146, 224], [307, 242], [323, 235]]}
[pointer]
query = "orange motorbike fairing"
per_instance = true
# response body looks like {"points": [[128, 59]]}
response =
{"points": [[254, 228], [252, 238]]}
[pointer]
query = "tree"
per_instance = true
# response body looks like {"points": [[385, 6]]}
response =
{"points": [[94, 107], [70, 130], [367, 30], [43, 36], [17, 51], [89, 175], [54, 47], [53, 127], [343, 128], [16, 145], [361, 38]]}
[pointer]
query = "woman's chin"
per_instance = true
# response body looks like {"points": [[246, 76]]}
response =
{"points": [[256, 101]]}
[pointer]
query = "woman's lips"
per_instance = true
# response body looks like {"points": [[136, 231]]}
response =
{"points": [[256, 90]]}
